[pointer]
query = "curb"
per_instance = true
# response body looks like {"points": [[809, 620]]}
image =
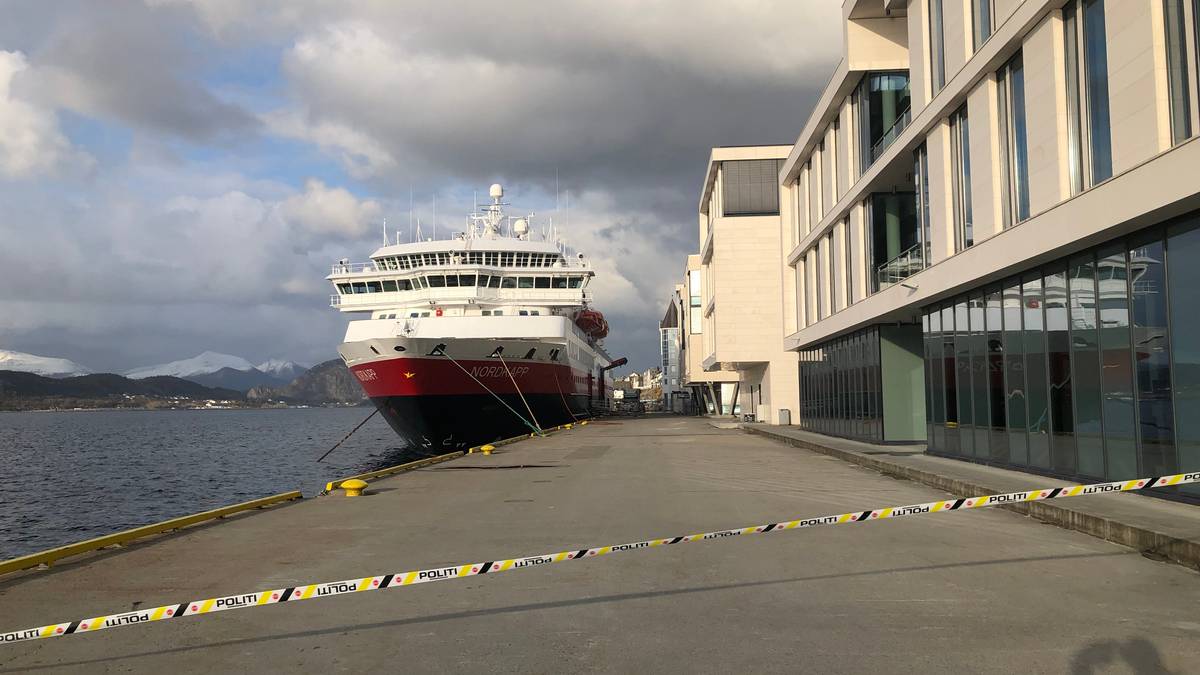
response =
{"points": [[49, 556], [1146, 541]]}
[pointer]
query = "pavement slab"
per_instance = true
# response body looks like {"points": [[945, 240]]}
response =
{"points": [[987, 591]]}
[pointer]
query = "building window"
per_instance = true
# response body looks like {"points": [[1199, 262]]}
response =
{"points": [[814, 197], [835, 271], [841, 387], [1176, 24], [960, 175], [750, 187], [921, 178], [849, 258], [1010, 81], [883, 113], [982, 17], [937, 47], [1089, 136], [694, 310]]}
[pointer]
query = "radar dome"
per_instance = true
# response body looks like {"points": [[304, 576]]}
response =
{"points": [[496, 191], [521, 227]]}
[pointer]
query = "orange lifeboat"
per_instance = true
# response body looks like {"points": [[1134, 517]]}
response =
{"points": [[592, 323]]}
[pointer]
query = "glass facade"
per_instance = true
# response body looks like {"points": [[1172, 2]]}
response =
{"points": [[1088, 367], [840, 387]]}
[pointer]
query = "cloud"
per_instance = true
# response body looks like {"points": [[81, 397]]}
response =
{"points": [[122, 62], [253, 129], [30, 140], [321, 210]]}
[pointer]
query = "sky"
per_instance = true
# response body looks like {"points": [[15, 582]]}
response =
{"points": [[177, 176]]}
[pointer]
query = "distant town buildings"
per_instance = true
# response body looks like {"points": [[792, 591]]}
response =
{"points": [[985, 237]]}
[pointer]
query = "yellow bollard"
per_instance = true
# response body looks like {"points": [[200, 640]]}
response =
{"points": [[487, 449], [567, 426], [354, 487], [583, 423]]}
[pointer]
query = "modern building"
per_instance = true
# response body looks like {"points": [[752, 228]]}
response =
{"points": [[712, 392], [743, 291], [992, 234]]}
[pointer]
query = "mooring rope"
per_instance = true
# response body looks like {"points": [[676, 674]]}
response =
{"points": [[494, 394], [564, 397], [347, 436], [519, 393]]}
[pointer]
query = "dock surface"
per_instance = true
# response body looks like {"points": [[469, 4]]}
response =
{"points": [[981, 591]]}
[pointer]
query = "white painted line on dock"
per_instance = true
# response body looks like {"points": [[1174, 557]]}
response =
{"points": [[374, 583]]}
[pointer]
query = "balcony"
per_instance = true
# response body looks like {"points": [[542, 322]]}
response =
{"points": [[900, 268], [890, 135]]}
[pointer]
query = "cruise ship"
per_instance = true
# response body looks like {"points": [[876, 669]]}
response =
{"points": [[487, 335]]}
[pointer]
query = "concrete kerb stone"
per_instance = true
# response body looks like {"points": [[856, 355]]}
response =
{"points": [[1149, 542]]}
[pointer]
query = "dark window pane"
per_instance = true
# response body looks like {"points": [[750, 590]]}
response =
{"points": [[939, 383], [998, 440], [979, 376], [1058, 358], [1177, 69], [1085, 366], [1116, 369], [949, 372], [1184, 248], [1036, 390], [1152, 352], [1020, 137], [1096, 68], [962, 366], [1014, 374]]}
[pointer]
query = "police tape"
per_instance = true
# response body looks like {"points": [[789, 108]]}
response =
{"points": [[329, 589]]}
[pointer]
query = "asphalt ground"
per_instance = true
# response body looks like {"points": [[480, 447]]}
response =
{"points": [[981, 591]]}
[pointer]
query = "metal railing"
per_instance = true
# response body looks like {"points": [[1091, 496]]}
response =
{"points": [[890, 135], [899, 268], [547, 296]]}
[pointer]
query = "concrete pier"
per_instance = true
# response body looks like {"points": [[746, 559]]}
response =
{"points": [[984, 591]]}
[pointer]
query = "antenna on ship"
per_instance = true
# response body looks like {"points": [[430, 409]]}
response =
{"points": [[411, 232], [385, 239], [435, 215]]}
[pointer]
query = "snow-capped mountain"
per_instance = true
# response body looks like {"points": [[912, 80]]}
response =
{"points": [[40, 365], [283, 370], [201, 364]]}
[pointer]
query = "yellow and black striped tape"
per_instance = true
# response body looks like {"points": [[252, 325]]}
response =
{"points": [[374, 583]]}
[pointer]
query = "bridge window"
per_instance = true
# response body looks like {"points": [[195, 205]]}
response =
{"points": [[506, 259], [452, 280], [389, 286], [560, 282], [344, 289], [404, 284], [498, 312], [541, 282], [494, 283], [522, 313], [525, 282], [509, 282], [466, 280], [374, 287], [436, 281]]}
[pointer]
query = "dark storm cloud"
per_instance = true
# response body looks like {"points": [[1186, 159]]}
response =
{"points": [[137, 65]]}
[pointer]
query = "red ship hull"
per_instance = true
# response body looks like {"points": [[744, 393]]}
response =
{"points": [[444, 405]]}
